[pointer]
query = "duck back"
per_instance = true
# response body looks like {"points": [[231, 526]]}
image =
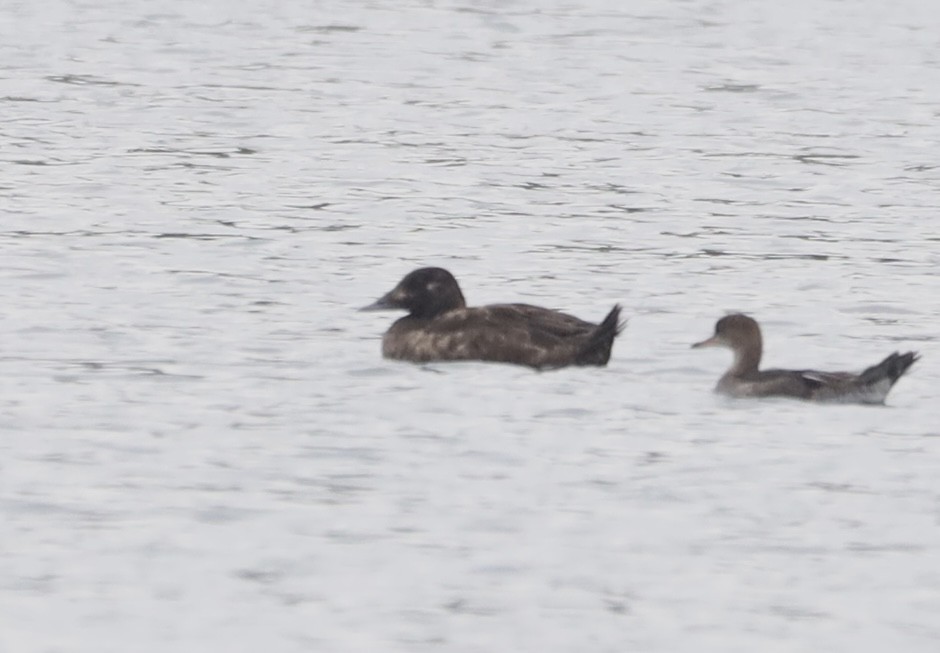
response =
{"points": [[507, 333], [868, 387]]}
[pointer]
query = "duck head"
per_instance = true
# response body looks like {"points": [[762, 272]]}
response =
{"points": [[741, 334], [733, 331], [425, 293]]}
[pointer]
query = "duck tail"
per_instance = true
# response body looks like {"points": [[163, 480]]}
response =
{"points": [[891, 369], [596, 351]]}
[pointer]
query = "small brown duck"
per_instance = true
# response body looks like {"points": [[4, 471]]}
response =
{"points": [[441, 327], [741, 334]]}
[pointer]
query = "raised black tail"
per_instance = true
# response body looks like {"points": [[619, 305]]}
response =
{"points": [[596, 351], [892, 368]]}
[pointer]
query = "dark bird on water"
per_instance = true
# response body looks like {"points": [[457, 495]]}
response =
{"points": [[741, 334], [441, 327]]}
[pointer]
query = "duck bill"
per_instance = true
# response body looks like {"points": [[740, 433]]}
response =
{"points": [[388, 302], [711, 342]]}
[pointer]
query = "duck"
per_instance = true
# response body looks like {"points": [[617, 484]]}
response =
{"points": [[441, 327], [744, 378]]}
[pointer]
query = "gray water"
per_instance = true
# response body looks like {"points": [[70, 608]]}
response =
{"points": [[202, 449]]}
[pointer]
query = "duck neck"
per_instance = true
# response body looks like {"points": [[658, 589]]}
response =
{"points": [[746, 359]]}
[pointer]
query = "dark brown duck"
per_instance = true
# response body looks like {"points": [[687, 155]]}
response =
{"points": [[441, 327], [741, 334]]}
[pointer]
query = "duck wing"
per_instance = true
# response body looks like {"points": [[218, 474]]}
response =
{"points": [[564, 339], [871, 386], [546, 321], [772, 383]]}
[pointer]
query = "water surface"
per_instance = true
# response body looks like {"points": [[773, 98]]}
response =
{"points": [[203, 450]]}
